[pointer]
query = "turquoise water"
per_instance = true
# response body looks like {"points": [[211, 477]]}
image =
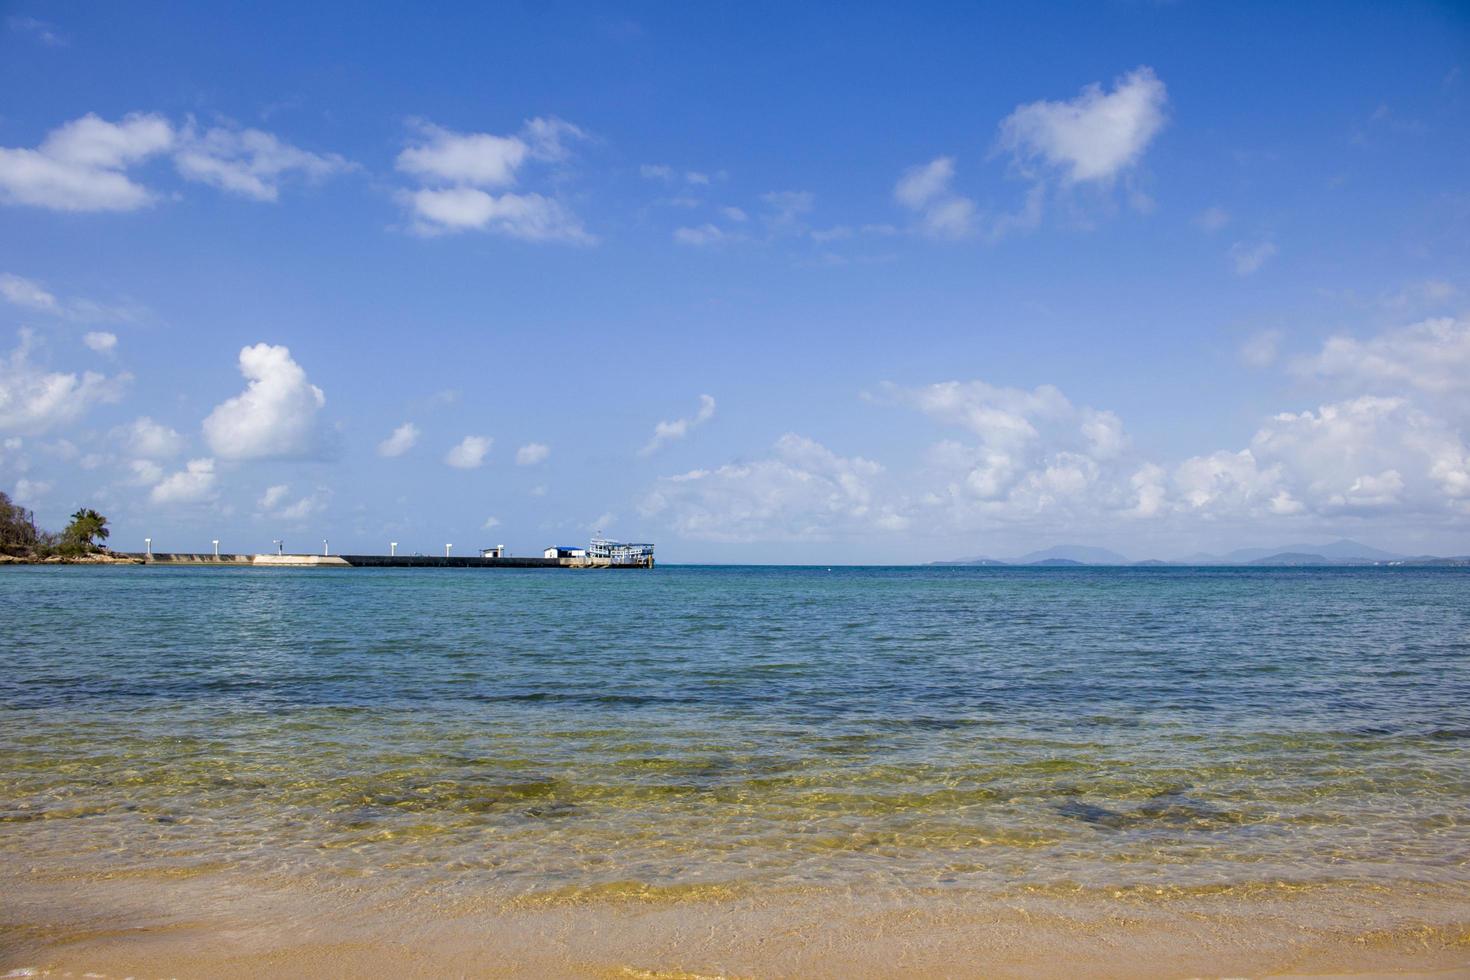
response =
{"points": [[545, 735]]}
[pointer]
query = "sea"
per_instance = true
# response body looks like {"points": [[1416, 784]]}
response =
{"points": [[701, 733]]}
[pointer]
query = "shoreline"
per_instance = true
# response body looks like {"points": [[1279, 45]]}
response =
{"points": [[226, 925]]}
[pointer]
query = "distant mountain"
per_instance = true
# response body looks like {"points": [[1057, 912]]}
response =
{"points": [[1081, 554], [1340, 552], [1291, 558], [1335, 551]]}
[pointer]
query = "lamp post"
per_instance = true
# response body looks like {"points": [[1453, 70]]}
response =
{"points": [[392, 548], [216, 547]]}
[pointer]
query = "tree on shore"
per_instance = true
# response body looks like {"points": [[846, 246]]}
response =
{"points": [[18, 534], [20, 537], [87, 527]]}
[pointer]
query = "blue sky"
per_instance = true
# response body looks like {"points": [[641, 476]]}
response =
{"points": [[753, 282]]}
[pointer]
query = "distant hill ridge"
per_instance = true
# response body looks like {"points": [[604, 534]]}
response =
{"points": [[1340, 552]]}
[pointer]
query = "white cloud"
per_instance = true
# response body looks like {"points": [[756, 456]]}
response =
{"points": [[83, 165], [1095, 136], [469, 453], [31, 295], [149, 439], [455, 167], [666, 432], [248, 161], [1432, 357], [532, 453], [802, 490], [705, 234], [80, 165], [275, 417], [145, 472], [1248, 259], [490, 524], [194, 484], [100, 341], [529, 217], [399, 441], [273, 496], [734, 214], [481, 159], [27, 293], [921, 184], [33, 399], [30, 492], [925, 190], [274, 503]]}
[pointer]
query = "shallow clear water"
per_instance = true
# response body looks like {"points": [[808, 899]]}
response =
{"points": [[707, 731]]}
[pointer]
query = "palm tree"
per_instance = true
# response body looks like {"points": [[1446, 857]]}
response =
{"points": [[86, 527]]}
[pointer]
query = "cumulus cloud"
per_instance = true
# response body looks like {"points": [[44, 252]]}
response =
{"points": [[529, 217], [80, 166], [399, 441], [273, 496], [84, 165], [455, 168], [30, 492], [532, 453], [1432, 357], [471, 158], [100, 341], [1032, 460], [666, 432], [490, 524], [148, 439], [925, 190], [249, 162], [1093, 137], [34, 400], [1030, 452], [275, 417], [801, 490], [194, 484], [276, 504], [145, 472], [469, 453]]}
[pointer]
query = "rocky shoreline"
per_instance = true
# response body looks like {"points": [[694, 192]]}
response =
{"points": [[97, 558]]}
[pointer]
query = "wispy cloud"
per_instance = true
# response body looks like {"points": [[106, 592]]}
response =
{"points": [[666, 432]]}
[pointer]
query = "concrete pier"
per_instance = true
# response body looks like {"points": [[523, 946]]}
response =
{"points": [[367, 561]]}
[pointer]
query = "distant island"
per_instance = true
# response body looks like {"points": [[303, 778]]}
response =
{"points": [[1342, 552]]}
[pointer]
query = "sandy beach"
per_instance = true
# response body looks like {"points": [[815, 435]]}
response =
{"points": [[226, 925]]}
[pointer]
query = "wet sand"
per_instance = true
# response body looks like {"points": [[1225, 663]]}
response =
{"points": [[225, 925]]}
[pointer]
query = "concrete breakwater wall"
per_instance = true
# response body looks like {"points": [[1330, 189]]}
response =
{"points": [[367, 561]]}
